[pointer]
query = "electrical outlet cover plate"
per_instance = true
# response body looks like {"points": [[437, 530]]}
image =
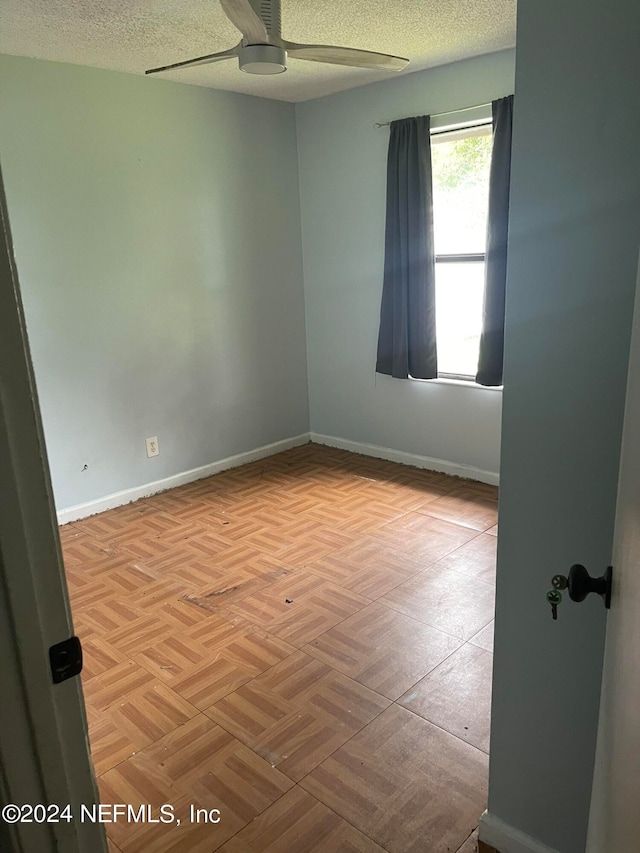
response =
{"points": [[153, 448]]}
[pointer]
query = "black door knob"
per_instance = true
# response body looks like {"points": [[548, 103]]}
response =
{"points": [[580, 584]]}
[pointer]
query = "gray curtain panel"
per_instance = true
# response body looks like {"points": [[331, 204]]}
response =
{"points": [[492, 337], [407, 335]]}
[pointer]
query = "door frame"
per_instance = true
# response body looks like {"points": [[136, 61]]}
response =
{"points": [[613, 816], [44, 748]]}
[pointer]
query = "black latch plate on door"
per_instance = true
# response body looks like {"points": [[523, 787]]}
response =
{"points": [[65, 659]]}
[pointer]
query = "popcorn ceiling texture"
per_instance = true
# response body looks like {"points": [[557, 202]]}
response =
{"points": [[132, 35]]}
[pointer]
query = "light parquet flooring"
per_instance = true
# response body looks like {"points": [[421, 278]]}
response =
{"points": [[303, 643]]}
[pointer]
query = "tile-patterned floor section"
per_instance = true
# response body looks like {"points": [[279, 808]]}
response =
{"points": [[303, 643]]}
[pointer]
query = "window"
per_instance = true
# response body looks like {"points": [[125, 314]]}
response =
{"points": [[460, 166]]}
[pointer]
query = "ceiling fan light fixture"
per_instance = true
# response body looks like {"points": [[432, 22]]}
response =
{"points": [[262, 59], [263, 51]]}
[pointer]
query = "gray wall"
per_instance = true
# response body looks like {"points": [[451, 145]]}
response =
{"points": [[574, 234], [342, 189], [157, 234]]}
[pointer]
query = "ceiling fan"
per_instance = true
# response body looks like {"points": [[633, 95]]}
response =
{"points": [[262, 50]]}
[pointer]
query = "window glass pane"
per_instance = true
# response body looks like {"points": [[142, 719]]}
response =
{"points": [[459, 293], [461, 192]]}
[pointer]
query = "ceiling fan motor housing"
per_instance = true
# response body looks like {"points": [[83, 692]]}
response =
{"points": [[262, 59]]}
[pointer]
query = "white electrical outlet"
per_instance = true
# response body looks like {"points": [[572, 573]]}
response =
{"points": [[153, 448]]}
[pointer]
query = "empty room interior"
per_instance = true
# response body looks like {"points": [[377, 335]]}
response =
{"points": [[265, 310]]}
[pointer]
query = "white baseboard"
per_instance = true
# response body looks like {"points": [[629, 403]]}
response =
{"points": [[73, 513], [466, 471], [507, 839]]}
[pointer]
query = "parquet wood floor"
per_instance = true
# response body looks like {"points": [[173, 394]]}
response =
{"points": [[305, 644]]}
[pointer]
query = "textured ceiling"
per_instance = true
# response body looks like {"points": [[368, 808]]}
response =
{"points": [[132, 35]]}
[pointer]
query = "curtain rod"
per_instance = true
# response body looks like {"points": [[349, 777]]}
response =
{"points": [[437, 115]]}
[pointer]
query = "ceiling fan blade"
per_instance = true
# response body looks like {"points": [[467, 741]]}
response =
{"points": [[199, 60], [243, 16], [345, 56]]}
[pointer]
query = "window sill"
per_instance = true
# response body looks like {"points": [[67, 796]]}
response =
{"points": [[460, 383]]}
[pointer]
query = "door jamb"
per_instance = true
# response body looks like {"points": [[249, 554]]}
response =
{"points": [[44, 751]]}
